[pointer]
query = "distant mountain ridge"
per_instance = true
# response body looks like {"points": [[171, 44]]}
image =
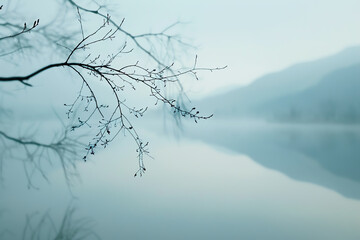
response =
{"points": [[274, 96], [336, 98]]}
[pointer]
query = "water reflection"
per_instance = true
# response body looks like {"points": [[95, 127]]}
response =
{"points": [[194, 191], [45, 227], [324, 155]]}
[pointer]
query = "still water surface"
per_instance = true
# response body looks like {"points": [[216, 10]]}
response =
{"points": [[218, 181]]}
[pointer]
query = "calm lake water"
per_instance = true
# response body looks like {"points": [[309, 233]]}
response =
{"points": [[220, 180]]}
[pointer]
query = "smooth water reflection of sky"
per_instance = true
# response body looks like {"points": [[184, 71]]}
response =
{"points": [[191, 191]]}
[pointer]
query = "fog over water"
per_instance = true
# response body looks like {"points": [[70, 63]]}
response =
{"points": [[270, 186], [279, 160]]}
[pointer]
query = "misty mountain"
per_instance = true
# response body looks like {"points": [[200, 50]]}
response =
{"points": [[336, 98], [283, 95]]}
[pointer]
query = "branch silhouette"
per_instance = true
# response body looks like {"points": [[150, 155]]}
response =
{"points": [[90, 68]]}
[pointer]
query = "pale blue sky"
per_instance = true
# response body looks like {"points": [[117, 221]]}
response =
{"points": [[253, 37]]}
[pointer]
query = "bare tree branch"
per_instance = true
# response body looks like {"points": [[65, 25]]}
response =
{"points": [[115, 118], [24, 30]]}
